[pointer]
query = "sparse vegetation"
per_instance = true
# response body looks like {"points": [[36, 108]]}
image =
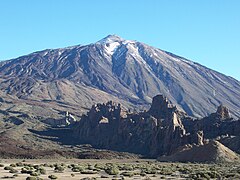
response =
{"points": [[145, 169]]}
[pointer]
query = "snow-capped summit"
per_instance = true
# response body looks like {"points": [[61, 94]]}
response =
{"points": [[110, 43], [111, 38]]}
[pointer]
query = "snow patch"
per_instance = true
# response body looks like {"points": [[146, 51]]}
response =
{"points": [[110, 43], [111, 47], [45, 53]]}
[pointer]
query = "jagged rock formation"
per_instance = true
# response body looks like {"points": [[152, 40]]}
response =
{"points": [[216, 124], [222, 113], [163, 130], [156, 132], [125, 71]]}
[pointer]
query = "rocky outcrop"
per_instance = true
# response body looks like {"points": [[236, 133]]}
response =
{"points": [[162, 130], [99, 125], [160, 107], [223, 113], [155, 132], [217, 124]]}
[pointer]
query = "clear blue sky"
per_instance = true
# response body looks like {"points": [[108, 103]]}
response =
{"points": [[205, 31]]}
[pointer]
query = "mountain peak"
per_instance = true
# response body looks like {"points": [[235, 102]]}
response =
{"points": [[110, 39], [129, 70], [111, 43]]}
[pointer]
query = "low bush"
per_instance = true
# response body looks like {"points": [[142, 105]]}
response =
{"points": [[127, 173], [42, 171], [77, 169], [89, 172], [33, 178], [19, 164], [59, 169], [26, 171], [34, 174], [13, 165], [13, 171], [8, 168], [112, 170], [52, 177]]}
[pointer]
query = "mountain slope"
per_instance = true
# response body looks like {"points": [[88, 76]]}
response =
{"points": [[129, 71]]}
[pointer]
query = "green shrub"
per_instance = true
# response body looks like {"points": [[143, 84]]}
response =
{"points": [[13, 171], [89, 172], [13, 165], [8, 168], [19, 164], [230, 175], [33, 178], [103, 176], [52, 177], [112, 170], [143, 174], [127, 173], [150, 171], [36, 166], [26, 171], [90, 167], [77, 169], [42, 171], [34, 174], [127, 168], [46, 165], [59, 169], [166, 171], [99, 166]]}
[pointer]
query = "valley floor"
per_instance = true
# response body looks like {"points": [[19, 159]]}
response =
{"points": [[65, 169]]}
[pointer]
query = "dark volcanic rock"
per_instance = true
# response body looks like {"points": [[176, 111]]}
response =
{"points": [[160, 131], [156, 132], [223, 112], [160, 107]]}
